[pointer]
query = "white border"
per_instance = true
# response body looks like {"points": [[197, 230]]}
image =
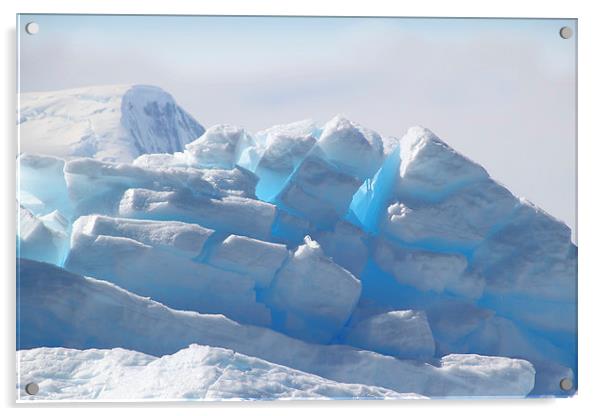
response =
{"points": [[589, 174]]}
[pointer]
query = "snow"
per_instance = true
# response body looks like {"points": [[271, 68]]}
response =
{"points": [[342, 255], [109, 317], [112, 123], [194, 373]]}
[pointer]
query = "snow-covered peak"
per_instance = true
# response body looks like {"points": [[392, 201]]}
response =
{"points": [[356, 150], [112, 123]]}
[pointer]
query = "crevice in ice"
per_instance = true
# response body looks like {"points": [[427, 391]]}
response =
{"points": [[214, 240]]}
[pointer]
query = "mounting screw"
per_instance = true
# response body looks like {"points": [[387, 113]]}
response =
{"points": [[566, 32], [32, 28], [566, 384], [32, 389]]}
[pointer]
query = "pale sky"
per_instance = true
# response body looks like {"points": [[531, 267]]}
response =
{"points": [[501, 91]]}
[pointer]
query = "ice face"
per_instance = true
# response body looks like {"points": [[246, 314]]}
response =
{"points": [[462, 220], [389, 248], [318, 191], [282, 149], [159, 259], [231, 214], [112, 123], [318, 294], [347, 245], [132, 322], [258, 259], [43, 239], [403, 334], [426, 270], [42, 186]]}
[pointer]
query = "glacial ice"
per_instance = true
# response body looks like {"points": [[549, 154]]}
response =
{"points": [[316, 295], [426, 270], [258, 259], [110, 317], [233, 214], [373, 249], [403, 334], [280, 150], [343, 239], [158, 259], [317, 190], [41, 238], [462, 220], [41, 184]]}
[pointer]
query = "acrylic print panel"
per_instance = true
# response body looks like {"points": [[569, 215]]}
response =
{"points": [[215, 208]]}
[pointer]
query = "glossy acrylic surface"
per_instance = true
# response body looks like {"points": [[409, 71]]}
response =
{"points": [[217, 208]]}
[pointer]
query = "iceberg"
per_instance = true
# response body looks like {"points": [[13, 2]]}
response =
{"points": [[329, 254]]}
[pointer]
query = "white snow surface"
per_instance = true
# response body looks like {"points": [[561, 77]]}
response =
{"points": [[193, 373]]}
